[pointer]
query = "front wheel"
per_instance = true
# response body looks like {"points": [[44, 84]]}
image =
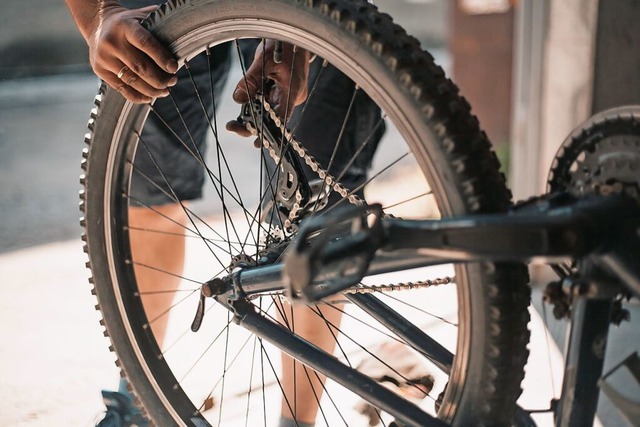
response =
{"points": [[369, 79]]}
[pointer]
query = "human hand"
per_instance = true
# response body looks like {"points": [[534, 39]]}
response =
{"points": [[128, 57], [286, 84]]}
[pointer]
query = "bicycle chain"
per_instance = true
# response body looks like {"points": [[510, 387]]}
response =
{"points": [[308, 159], [391, 287], [422, 284], [344, 192]]}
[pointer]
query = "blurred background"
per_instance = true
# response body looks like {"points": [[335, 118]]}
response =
{"points": [[531, 69]]}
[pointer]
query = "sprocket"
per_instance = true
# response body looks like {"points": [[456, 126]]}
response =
{"points": [[241, 260], [600, 157]]}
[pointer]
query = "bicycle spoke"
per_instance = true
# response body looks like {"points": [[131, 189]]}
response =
{"points": [[160, 270], [220, 380], [175, 197], [164, 313], [269, 188], [284, 395], [224, 329], [146, 156], [414, 307], [213, 241], [362, 347], [169, 291], [184, 333], [231, 363], [359, 151], [315, 394], [197, 155], [548, 341], [289, 323], [224, 365], [253, 357], [291, 73], [338, 141], [364, 323], [190, 213], [361, 186], [220, 156], [426, 193], [332, 332]]}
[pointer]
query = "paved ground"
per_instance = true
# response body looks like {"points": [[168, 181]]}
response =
{"points": [[54, 358], [42, 123]]}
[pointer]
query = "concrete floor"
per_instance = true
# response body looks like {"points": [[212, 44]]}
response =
{"points": [[54, 358]]}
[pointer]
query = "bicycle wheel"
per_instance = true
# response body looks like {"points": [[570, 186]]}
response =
{"points": [[438, 163]]}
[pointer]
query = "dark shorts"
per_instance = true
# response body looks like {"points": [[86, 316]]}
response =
{"points": [[170, 152], [168, 163]]}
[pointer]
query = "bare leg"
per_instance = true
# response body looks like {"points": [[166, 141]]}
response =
{"points": [[303, 387], [157, 241]]}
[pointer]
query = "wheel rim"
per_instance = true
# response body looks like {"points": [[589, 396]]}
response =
{"points": [[185, 48]]}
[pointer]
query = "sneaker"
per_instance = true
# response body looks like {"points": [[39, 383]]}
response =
{"points": [[121, 412]]}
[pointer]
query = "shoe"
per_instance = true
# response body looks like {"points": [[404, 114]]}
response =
{"points": [[121, 412]]}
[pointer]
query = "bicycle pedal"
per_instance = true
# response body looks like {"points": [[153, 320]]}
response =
{"points": [[332, 252]]}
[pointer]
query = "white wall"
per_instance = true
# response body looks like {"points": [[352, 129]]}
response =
{"points": [[555, 42]]}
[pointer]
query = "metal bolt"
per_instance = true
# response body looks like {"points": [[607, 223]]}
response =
{"points": [[214, 287]]}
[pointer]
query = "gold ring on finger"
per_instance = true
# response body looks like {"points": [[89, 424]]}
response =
{"points": [[122, 71]]}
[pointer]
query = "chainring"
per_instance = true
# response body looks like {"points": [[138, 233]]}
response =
{"points": [[600, 157]]}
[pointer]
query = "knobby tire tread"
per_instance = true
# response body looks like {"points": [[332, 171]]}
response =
{"points": [[477, 177]]}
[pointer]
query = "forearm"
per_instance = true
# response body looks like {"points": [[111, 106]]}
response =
{"points": [[88, 14]]}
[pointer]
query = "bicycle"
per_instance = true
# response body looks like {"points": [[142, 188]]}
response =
{"points": [[476, 350]]}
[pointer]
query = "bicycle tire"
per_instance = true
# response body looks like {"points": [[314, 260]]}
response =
{"points": [[452, 151]]}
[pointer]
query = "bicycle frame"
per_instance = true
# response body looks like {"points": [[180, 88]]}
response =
{"points": [[601, 233]]}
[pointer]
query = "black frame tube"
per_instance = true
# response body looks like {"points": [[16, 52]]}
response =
{"points": [[404, 329], [381, 397], [586, 227], [584, 359]]}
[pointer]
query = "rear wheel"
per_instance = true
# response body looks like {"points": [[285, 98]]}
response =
{"points": [[433, 161]]}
